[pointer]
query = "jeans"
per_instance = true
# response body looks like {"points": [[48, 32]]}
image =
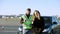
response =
{"points": [[28, 32]]}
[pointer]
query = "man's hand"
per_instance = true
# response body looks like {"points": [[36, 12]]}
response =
{"points": [[21, 20], [24, 20]]}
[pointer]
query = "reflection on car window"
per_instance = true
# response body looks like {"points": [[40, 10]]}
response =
{"points": [[47, 19]]}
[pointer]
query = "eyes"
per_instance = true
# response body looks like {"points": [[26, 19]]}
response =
{"points": [[36, 13]]}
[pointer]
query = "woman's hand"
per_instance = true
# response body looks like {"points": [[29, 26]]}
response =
{"points": [[33, 20]]}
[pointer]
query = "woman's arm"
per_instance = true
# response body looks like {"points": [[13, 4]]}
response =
{"points": [[42, 24]]}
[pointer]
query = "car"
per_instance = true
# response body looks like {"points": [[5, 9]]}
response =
{"points": [[50, 24]]}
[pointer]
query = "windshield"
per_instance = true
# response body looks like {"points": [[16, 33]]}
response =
{"points": [[47, 21]]}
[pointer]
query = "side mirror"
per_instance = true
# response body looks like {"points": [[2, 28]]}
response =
{"points": [[54, 22]]}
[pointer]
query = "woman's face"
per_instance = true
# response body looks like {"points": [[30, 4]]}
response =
{"points": [[36, 14]]}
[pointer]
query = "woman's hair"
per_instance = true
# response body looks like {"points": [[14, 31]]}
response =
{"points": [[39, 15]]}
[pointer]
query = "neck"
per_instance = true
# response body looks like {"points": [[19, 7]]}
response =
{"points": [[38, 18], [28, 14]]}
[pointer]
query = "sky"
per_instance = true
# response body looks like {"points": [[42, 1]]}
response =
{"points": [[16, 7]]}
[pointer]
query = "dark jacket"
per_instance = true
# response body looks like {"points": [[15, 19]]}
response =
{"points": [[38, 24]]}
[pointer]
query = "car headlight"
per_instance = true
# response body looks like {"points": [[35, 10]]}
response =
{"points": [[20, 29], [45, 30]]}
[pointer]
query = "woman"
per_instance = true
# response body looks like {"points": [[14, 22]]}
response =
{"points": [[38, 23]]}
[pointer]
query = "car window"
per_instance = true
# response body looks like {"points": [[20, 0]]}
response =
{"points": [[47, 21], [54, 19]]}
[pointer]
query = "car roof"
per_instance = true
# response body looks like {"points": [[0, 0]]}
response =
{"points": [[48, 16]]}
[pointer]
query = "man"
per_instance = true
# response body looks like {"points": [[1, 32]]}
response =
{"points": [[26, 20]]}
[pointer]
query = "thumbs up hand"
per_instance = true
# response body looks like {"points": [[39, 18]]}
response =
{"points": [[24, 21]]}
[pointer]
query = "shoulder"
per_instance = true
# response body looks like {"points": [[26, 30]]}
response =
{"points": [[31, 15], [42, 18], [22, 16]]}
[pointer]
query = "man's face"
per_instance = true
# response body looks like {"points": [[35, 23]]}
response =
{"points": [[28, 12]]}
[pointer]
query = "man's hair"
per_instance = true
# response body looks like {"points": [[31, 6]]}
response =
{"points": [[28, 9]]}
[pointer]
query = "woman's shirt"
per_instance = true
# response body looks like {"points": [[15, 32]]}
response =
{"points": [[38, 23]]}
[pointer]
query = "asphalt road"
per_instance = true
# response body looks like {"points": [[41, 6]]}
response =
{"points": [[14, 30]]}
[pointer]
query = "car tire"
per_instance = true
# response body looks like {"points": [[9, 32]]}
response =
{"points": [[52, 31]]}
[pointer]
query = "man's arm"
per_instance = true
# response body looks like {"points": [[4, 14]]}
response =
{"points": [[21, 20]]}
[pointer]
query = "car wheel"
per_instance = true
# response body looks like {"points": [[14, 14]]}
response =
{"points": [[52, 31]]}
